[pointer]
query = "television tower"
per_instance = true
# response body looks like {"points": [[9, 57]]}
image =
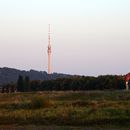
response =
{"points": [[49, 50]]}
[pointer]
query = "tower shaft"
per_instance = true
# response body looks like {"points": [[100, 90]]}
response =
{"points": [[49, 52]]}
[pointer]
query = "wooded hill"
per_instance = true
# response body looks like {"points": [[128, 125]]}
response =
{"points": [[10, 75], [25, 81]]}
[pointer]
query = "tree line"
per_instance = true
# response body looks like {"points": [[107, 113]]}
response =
{"points": [[74, 83]]}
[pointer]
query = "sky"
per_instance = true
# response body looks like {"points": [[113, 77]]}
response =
{"points": [[88, 37]]}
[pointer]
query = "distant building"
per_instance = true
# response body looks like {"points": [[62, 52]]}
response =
{"points": [[127, 81]]}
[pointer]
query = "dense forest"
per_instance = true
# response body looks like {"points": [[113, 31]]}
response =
{"points": [[74, 83]]}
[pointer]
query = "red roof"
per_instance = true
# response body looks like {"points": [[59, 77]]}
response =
{"points": [[127, 77]]}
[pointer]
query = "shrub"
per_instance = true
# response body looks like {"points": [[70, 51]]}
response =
{"points": [[40, 102]]}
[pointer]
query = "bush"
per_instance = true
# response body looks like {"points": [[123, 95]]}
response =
{"points": [[40, 102]]}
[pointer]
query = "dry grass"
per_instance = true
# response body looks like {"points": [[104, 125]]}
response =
{"points": [[66, 108]]}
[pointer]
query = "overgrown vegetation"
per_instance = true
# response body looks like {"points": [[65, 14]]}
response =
{"points": [[79, 108]]}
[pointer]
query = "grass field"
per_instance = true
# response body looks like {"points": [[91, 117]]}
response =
{"points": [[86, 109]]}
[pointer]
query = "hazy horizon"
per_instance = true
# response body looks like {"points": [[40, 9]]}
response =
{"points": [[88, 37]]}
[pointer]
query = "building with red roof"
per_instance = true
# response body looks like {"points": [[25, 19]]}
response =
{"points": [[127, 81]]}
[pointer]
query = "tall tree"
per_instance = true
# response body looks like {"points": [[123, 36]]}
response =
{"points": [[27, 84], [20, 84]]}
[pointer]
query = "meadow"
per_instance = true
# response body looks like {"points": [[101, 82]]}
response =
{"points": [[100, 109]]}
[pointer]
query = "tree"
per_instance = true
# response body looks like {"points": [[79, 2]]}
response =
{"points": [[27, 84], [20, 84], [35, 85]]}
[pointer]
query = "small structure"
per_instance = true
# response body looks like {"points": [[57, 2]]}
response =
{"points": [[127, 81]]}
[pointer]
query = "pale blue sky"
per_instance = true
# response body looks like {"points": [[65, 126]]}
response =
{"points": [[89, 37]]}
